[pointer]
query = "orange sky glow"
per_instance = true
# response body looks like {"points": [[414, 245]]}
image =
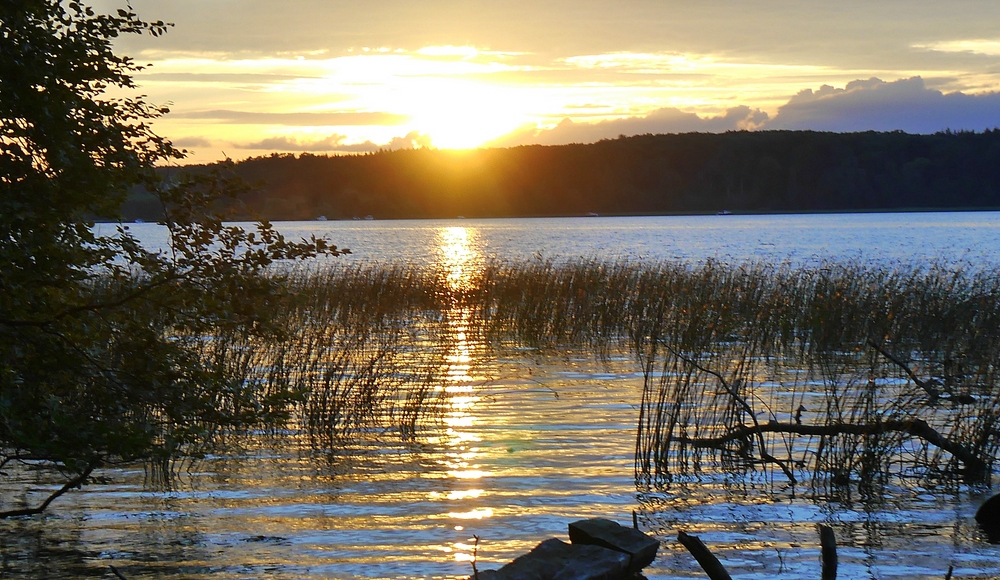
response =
{"points": [[253, 77]]}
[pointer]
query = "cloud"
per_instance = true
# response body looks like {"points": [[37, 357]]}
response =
{"points": [[411, 140], [862, 105], [984, 46], [295, 119], [191, 142], [667, 120], [906, 105], [336, 143]]}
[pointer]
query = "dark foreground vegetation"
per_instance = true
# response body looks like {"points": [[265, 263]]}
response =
{"points": [[102, 343], [770, 171]]}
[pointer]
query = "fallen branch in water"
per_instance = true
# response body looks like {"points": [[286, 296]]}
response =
{"points": [[761, 444], [927, 386], [716, 571], [975, 466], [77, 481], [708, 562]]}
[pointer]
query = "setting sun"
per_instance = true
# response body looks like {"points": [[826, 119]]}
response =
{"points": [[461, 114]]}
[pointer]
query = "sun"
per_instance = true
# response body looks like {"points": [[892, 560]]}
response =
{"points": [[464, 114]]}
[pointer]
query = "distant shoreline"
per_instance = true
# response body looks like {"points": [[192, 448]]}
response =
{"points": [[767, 172], [624, 215]]}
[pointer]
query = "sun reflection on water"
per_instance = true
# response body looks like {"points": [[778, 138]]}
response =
{"points": [[459, 262], [460, 258]]}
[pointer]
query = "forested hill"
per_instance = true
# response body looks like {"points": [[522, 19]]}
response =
{"points": [[648, 174]]}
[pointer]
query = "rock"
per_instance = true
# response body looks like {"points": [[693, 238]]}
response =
{"points": [[608, 534], [556, 560], [988, 517]]}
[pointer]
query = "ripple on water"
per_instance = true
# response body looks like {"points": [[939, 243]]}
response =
{"points": [[530, 456]]}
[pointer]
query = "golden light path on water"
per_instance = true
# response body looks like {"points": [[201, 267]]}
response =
{"points": [[459, 260]]}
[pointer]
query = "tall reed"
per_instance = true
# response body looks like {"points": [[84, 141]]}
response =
{"points": [[836, 373], [830, 373]]}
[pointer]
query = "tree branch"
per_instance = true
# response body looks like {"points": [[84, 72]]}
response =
{"points": [[73, 483], [708, 562], [828, 542], [975, 466], [927, 386], [93, 307], [761, 445]]}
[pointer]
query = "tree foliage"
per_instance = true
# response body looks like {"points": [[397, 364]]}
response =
{"points": [[102, 343], [755, 171]]}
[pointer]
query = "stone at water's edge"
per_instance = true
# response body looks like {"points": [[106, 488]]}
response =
{"points": [[601, 550], [988, 517], [556, 560], [608, 534]]}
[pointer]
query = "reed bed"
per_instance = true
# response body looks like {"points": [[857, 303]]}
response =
{"points": [[834, 374], [357, 355], [831, 374]]}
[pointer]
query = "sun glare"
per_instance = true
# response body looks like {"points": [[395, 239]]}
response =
{"points": [[453, 97], [461, 114]]}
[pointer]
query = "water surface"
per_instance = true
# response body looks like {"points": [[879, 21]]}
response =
{"points": [[532, 440], [950, 237]]}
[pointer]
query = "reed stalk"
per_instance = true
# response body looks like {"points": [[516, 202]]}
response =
{"points": [[832, 374]]}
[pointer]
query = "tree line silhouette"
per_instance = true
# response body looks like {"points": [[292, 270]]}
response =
{"points": [[767, 171]]}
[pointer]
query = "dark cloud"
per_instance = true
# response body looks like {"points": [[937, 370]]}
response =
{"points": [[666, 120], [848, 34], [247, 78], [294, 119], [863, 105], [191, 142], [335, 143], [873, 104]]}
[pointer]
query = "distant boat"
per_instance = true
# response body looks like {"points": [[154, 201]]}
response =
{"points": [[592, 214], [139, 221], [321, 218], [369, 217], [724, 212]]}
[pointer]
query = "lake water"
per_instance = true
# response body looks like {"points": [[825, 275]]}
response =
{"points": [[949, 237], [537, 440]]}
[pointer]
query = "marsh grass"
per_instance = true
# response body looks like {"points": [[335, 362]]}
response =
{"points": [[839, 374], [835, 374]]}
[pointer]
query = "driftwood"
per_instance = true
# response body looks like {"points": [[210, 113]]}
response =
{"points": [[761, 445], [928, 386], [716, 571], [709, 563], [974, 465], [828, 542], [729, 423]]}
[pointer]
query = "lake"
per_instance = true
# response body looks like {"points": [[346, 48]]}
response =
{"points": [[949, 237], [536, 440]]}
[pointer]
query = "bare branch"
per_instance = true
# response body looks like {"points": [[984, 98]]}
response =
{"points": [[976, 467], [72, 483]]}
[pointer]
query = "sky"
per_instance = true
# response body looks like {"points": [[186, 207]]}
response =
{"points": [[251, 77]]}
